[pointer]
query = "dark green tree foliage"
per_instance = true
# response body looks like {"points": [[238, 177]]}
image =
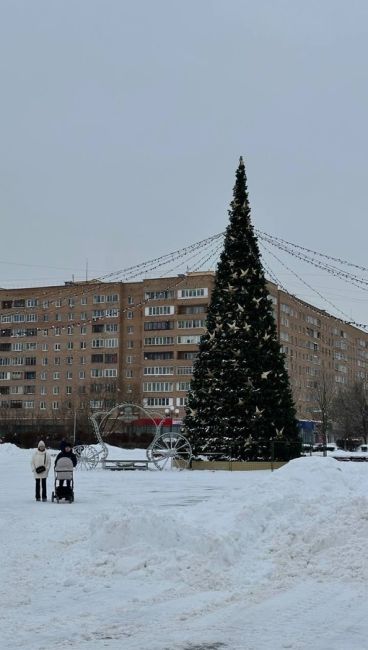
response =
{"points": [[240, 396]]}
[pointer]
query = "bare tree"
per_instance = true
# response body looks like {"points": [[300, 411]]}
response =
{"points": [[324, 394], [351, 411]]}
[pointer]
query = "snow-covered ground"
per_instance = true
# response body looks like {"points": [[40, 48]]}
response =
{"points": [[204, 560]]}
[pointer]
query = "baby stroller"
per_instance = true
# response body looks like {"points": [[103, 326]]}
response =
{"points": [[63, 474]]}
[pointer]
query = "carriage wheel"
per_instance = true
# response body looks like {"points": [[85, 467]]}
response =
{"points": [[170, 451], [87, 456]]}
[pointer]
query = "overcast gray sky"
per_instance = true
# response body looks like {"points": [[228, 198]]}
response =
{"points": [[122, 124]]}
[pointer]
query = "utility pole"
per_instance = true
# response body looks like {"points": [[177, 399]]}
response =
{"points": [[74, 427]]}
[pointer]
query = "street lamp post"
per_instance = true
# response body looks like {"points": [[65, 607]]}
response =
{"points": [[75, 417], [169, 413]]}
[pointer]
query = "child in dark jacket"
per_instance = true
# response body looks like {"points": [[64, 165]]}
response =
{"points": [[66, 453]]}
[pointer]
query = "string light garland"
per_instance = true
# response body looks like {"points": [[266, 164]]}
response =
{"points": [[78, 290], [309, 287], [261, 235], [326, 268], [195, 257], [361, 283], [131, 308]]}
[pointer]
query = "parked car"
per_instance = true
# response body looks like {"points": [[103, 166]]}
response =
{"points": [[362, 448], [306, 449], [331, 446], [318, 446]]}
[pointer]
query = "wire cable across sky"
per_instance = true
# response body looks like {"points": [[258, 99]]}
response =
{"points": [[287, 264]]}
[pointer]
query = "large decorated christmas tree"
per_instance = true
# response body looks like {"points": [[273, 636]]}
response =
{"points": [[240, 398]]}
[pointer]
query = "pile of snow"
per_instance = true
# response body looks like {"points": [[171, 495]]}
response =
{"points": [[7, 449]]}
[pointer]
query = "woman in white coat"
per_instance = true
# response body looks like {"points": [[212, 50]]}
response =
{"points": [[41, 458]]}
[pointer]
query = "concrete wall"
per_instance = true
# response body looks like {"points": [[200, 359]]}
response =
{"points": [[235, 466]]}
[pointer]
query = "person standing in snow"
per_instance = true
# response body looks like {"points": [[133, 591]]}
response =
{"points": [[41, 459]]}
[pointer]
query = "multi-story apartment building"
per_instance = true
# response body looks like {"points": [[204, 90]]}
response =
{"points": [[91, 345]]}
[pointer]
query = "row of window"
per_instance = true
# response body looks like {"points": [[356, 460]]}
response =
{"points": [[31, 390], [29, 303], [181, 293], [56, 330], [55, 405], [170, 340], [95, 343], [6, 333], [33, 318], [168, 370], [164, 401], [310, 345], [56, 390], [95, 314], [18, 347], [317, 322], [95, 372], [32, 361], [21, 390], [157, 295], [17, 361], [161, 356], [57, 375], [18, 376], [169, 310], [170, 324], [165, 386]]}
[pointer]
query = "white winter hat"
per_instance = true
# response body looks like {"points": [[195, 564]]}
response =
{"points": [[41, 444]]}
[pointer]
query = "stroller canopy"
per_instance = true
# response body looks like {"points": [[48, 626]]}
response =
{"points": [[64, 468]]}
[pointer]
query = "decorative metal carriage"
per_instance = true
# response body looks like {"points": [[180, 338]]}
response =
{"points": [[169, 448]]}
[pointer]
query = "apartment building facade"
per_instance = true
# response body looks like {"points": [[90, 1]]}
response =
{"points": [[87, 346]]}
